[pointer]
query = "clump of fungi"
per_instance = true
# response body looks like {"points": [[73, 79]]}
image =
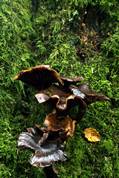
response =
{"points": [[63, 94]]}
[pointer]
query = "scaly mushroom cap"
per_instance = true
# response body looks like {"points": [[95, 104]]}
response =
{"points": [[40, 77], [47, 146], [56, 123]]}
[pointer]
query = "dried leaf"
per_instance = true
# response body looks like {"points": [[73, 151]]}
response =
{"points": [[92, 135]]}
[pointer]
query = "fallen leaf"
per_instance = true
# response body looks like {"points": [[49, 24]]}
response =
{"points": [[92, 135]]}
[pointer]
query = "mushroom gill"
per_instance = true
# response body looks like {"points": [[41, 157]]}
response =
{"points": [[48, 145]]}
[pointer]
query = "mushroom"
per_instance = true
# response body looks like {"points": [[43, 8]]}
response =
{"points": [[53, 122], [61, 99], [63, 94], [69, 81], [40, 77], [89, 96], [48, 146]]}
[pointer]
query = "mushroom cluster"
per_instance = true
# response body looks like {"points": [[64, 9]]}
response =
{"points": [[62, 94]]}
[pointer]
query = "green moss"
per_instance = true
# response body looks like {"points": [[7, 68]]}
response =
{"points": [[60, 33]]}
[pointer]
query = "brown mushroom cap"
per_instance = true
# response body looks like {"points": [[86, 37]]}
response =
{"points": [[62, 100], [69, 81], [55, 123], [40, 77], [88, 95]]}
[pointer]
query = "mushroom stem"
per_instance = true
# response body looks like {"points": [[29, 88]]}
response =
{"points": [[49, 172]]}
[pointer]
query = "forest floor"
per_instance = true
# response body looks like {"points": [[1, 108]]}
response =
{"points": [[77, 38]]}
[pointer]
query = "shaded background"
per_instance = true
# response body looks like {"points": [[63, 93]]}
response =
{"points": [[75, 37]]}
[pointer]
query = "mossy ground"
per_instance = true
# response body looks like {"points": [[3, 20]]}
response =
{"points": [[76, 38]]}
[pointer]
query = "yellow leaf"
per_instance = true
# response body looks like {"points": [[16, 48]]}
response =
{"points": [[92, 135]]}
